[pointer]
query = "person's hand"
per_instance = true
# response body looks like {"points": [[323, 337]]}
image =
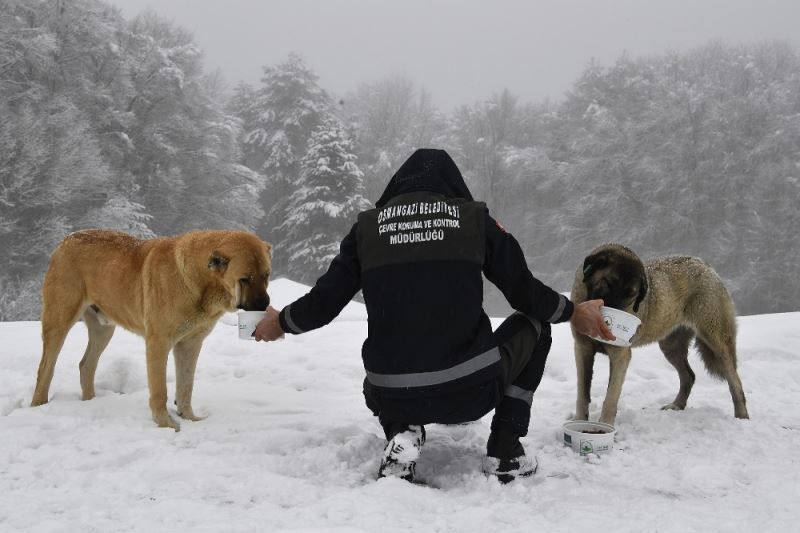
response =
{"points": [[588, 320], [269, 329]]}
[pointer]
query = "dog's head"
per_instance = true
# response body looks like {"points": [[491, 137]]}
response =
{"points": [[242, 263], [616, 275]]}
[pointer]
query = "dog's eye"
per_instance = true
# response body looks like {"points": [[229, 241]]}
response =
{"points": [[245, 281]]}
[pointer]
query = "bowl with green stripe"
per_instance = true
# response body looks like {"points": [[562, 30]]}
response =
{"points": [[586, 437]]}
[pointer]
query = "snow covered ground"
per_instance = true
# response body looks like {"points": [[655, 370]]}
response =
{"points": [[289, 444]]}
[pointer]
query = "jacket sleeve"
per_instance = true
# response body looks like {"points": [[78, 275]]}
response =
{"points": [[505, 266], [332, 291]]}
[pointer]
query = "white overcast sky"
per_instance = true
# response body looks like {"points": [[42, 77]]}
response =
{"points": [[462, 50]]}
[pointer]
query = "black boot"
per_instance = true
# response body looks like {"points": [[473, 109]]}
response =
{"points": [[505, 457]]}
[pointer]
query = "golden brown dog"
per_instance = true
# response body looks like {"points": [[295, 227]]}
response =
{"points": [[677, 299], [171, 291]]}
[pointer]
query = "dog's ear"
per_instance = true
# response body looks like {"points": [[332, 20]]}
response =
{"points": [[218, 262], [587, 267], [592, 263], [641, 295]]}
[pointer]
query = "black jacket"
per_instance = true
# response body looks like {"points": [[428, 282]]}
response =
{"points": [[430, 355]]}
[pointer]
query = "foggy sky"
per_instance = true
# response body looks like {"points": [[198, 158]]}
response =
{"points": [[461, 51]]}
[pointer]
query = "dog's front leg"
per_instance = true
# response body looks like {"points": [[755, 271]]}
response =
{"points": [[619, 360], [584, 363], [186, 353], [157, 352]]}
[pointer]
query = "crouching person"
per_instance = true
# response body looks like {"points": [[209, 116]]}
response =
{"points": [[430, 354]]}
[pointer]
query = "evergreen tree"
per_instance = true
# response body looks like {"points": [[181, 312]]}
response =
{"points": [[324, 205], [120, 214], [184, 148], [242, 105], [278, 123]]}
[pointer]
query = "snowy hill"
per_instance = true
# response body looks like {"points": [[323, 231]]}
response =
{"points": [[289, 444]]}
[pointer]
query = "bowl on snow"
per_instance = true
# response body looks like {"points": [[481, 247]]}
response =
{"points": [[587, 437]]}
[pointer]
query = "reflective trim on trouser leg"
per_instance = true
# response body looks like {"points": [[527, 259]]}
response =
{"points": [[512, 391], [514, 414], [526, 350]]}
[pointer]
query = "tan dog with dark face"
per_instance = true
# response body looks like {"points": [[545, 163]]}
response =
{"points": [[171, 291], [677, 299]]}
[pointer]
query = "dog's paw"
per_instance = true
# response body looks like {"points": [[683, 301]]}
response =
{"points": [[672, 407], [164, 420], [38, 399], [188, 414]]}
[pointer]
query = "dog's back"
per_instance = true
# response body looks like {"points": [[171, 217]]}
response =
{"points": [[684, 291], [103, 268]]}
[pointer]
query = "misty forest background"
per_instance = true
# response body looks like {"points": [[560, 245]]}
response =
{"points": [[113, 123]]}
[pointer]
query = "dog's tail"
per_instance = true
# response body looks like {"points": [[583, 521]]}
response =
{"points": [[713, 359]]}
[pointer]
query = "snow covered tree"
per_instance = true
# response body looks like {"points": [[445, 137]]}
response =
{"points": [[107, 123], [390, 118], [183, 148], [50, 169], [482, 133], [120, 214], [690, 153], [324, 206], [278, 118], [242, 105]]}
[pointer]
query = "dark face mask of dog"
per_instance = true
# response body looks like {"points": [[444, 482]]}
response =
{"points": [[619, 282], [252, 290], [250, 286]]}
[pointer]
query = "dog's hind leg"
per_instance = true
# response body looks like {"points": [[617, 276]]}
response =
{"points": [[99, 335], [676, 349], [584, 363], [59, 314], [736, 389], [186, 353], [721, 362], [619, 359], [716, 342]]}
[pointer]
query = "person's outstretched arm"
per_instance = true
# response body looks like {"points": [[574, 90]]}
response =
{"points": [[326, 299], [505, 266]]}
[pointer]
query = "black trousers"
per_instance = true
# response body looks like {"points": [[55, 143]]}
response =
{"points": [[524, 343]]}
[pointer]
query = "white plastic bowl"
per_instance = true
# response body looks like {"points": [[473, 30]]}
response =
{"points": [[623, 325], [589, 437], [248, 320]]}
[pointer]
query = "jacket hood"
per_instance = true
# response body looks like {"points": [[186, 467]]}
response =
{"points": [[427, 170]]}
